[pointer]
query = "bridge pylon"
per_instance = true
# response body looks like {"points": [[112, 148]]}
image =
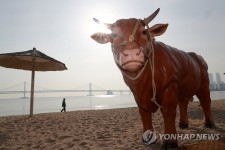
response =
{"points": [[90, 90]]}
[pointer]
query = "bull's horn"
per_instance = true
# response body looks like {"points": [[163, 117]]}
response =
{"points": [[151, 17], [107, 25]]}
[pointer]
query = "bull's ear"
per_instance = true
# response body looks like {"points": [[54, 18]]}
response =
{"points": [[102, 38], [158, 29]]}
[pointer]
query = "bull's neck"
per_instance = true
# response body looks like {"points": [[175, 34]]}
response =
{"points": [[142, 90], [143, 84]]}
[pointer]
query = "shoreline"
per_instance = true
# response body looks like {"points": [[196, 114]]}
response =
{"points": [[72, 109], [119, 128]]}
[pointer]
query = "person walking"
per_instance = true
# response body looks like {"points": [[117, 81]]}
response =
{"points": [[64, 105]]}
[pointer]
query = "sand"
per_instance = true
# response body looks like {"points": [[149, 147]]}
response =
{"points": [[119, 129]]}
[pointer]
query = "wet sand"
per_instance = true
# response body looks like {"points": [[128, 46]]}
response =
{"points": [[119, 129]]}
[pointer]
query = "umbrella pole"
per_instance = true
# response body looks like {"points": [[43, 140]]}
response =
{"points": [[32, 88]]}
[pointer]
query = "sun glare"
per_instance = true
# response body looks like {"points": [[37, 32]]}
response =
{"points": [[100, 28], [103, 16]]}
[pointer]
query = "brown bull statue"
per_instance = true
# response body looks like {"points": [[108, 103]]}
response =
{"points": [[159, 76]]}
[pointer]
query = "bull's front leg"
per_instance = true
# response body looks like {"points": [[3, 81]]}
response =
{"points": [[169, 103], [146, 117], [149, 135]]}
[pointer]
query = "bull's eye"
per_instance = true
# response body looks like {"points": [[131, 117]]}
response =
{"points": [[144, 32], [114, 35]]}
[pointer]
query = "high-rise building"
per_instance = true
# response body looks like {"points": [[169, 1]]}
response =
{"points": [[211, 82], [211, 78], [219, 82], [218, 78]]}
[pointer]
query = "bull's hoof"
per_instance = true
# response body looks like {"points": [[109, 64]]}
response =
{"points": [[169, 145], [210, 125], [183, 125]]}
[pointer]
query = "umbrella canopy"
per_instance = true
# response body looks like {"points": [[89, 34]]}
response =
{"points": [[32, 60], [23, 60]]}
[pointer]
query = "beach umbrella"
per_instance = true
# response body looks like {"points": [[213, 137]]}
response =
{"points": [[32, 60]]}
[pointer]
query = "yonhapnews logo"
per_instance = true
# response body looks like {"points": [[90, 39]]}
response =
{"points": [[151, 136]]}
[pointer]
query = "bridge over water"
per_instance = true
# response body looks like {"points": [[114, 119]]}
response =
{"points": [[90, 89]]}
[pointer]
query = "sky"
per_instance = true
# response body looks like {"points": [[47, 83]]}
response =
{"points": [[62, 29]]}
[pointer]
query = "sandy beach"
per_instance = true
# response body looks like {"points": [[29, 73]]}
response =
{"points": [[119, 129]]}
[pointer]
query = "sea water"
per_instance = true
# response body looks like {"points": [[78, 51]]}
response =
{"points": [[21, 106]]}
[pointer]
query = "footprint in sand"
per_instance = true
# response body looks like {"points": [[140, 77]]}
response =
{"points": [[64, 137]]}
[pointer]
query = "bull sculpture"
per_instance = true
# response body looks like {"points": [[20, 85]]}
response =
{"points": [[159, 76]]}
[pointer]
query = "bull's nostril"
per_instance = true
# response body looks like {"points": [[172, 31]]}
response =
{"points": [[138, 53], [124, 54]]}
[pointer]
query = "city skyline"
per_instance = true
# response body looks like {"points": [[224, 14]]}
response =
{"points": [[216, 82]]}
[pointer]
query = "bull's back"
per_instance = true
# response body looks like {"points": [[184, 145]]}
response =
{"points": [[187, 68], [183, 63]]}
